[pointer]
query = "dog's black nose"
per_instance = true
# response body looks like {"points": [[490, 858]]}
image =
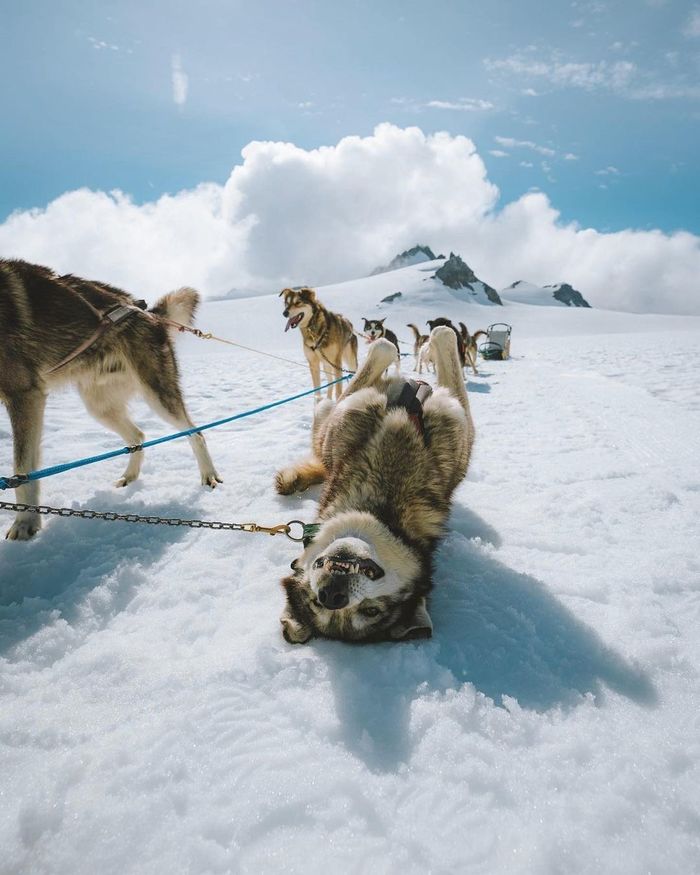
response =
{"points": [[334, 595], [286, 313]]}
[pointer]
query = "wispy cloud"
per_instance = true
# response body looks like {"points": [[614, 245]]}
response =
{"points": [[180, 82], [461, 104], [623, 78], [511, 143], [607, 171], [692, 27], [498, 153], [100, 45], [464, 104]]}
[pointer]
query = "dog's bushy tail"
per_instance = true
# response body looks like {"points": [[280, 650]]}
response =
{"points": [[300, 476], [180, 305], [479, 333], [415, 330], [464, 332]]}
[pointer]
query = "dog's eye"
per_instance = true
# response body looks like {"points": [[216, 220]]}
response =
{"points": [[319, 562], [370, 611], [370, 569]]}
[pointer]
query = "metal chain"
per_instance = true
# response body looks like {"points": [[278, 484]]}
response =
{"points": [[112, 516]]}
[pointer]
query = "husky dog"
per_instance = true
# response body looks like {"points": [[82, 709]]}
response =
{"points": [[388, 487], [419, 340], [425, 358], [374, 329], [45, 319], [442, 320], [328, 338], [470, 345]]}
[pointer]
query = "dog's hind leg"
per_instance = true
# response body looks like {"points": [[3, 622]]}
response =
{"points": [[381, 354], [26, 411], [162, 393], [443, 345], [105, 404]]}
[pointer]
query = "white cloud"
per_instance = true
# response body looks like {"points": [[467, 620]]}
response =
{"points": [[608, 171], [498, 153], [692, 27], [464, 104], [288, 215], [511, 143], [570, 157], [624, 78], [180, 81]]}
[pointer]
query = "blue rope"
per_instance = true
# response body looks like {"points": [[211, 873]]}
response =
{"points": [[11, 482]]}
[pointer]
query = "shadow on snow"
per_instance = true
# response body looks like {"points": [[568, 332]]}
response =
{"points": [[53, 572], [500, 630]]}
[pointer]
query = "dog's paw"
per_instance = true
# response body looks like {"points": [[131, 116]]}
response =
{"points": [[211, 479], [124, 481], [23, 530]]}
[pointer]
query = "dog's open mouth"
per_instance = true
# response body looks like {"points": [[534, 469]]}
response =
{"points": [[335, 565], [293, 321]]}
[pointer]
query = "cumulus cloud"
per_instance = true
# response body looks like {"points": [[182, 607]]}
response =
{"points": [[288, 215]]}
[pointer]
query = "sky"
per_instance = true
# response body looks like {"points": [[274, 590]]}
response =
{"points": [[596, 105]]}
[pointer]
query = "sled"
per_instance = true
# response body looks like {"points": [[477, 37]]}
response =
{"points": [[497, 345]]}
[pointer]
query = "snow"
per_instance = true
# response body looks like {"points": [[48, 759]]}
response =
{"points": [[527, 293], [153, 719]]}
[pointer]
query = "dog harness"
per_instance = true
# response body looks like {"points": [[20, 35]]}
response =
{"points": [[107, 318], [411, 394]]}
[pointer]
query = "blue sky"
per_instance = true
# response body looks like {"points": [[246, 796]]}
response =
{"points": [[595, 103]]}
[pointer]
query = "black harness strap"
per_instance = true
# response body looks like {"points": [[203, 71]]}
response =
{"points": [[411, 395]]}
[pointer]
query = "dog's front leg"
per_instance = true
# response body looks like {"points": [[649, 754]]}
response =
{"points": [[26, 416], [315, 369]]}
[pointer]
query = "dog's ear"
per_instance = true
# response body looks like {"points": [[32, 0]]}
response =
{"points": [[430, 323], [293, 630], [283, 292], [416, 625], [308, 295], [381, 321]]}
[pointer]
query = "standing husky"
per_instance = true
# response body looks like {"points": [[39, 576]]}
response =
{"points": [[45, 319], [328, 338], [390, 469], [470, 346], [418, 342], [374, 329]]}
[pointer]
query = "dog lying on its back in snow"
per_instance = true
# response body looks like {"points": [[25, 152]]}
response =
{"points": [[45, 319], [390, 468]]}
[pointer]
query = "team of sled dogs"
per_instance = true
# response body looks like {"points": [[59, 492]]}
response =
{"points": [[389, 451]]}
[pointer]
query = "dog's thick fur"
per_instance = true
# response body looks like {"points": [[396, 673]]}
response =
{"points": [[442, 320], [44, 318], [373, 329], [418, 341], [329, 339], [470, 345], [384, 506]]}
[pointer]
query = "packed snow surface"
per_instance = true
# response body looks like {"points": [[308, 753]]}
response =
{"points": [[153, 719]]}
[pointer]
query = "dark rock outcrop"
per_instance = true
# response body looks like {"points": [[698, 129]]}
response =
{"points": [[567, 295], [455, 274]]}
